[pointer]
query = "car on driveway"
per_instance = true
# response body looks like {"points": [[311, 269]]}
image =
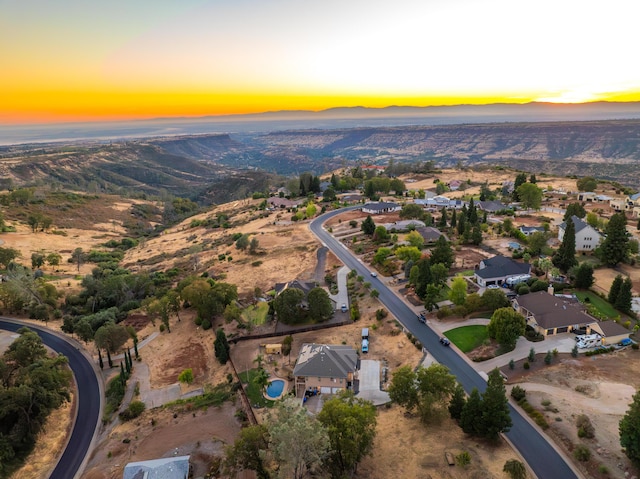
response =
{"points": [[374, 274], [445, 341], [343, 308]]}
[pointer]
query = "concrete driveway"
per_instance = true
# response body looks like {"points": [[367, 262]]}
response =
{"points": [[369, 376], [343, 294]]}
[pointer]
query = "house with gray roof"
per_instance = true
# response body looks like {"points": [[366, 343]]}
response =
{"points": [[529, 230], [404, 225], [325, 368], [611, 332], [498, 269], [587, 237], [549, 314], [376, 208], [491, 206], [165, 468], [430, 234]]}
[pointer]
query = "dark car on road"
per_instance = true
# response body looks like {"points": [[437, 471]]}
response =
{"points": [[445, 341]]}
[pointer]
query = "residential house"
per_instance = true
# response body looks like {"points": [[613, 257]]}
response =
{"points": [[352, 198], [277, 202], [611, 332], [589, 196], [454, 185], [165, 468], [325, 368], [628, 203], [587, 237], [380, 207], [491, 206], [549, 314], [498, 269], [439, 202], [404, 225], [529, 230], [430, 234]]}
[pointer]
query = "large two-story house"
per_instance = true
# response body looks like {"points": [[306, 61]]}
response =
{"points": [[325, 368], [587, 237]]}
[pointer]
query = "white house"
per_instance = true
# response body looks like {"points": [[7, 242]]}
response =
{"points": [[587, 237], [380, 207]]}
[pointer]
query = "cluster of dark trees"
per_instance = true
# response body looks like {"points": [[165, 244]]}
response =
{"points": [[32, 384], [292, 306], [466, 224]]}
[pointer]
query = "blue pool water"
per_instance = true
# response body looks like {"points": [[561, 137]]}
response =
{"points": [[275, 388]]}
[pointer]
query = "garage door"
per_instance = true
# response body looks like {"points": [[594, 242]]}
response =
{"points": [[549, 332], [325, 390], [335, 390], [562, 330]]}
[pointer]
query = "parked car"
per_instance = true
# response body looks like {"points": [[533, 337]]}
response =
{"points": [[343, 308], [374, 274], [445, 341]]}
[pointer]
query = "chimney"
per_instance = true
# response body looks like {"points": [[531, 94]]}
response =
{"points": [[550, 290]]}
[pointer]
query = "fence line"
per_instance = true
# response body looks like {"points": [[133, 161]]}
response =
{"points": [[246, 405], [287, 333]]}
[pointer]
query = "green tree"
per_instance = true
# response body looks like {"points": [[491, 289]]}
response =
{"points": [[439, 274], [520, 180], [287, 306], [242, 243], [247, 452], [320, 306], [381, 255], [37, 260], [461, 225], [411, 211], [53, 259], [496, 418], [535, 242], [476, 235], [442, 252], [494, 299], [530, 196], [623, 301], [614, 290], [221, 346], [442, 222], [471, 413], [367, 226], [287, 342], [79, 257], [629, 428], [506, 326], [426, 390], [423, 277], [415, 239], [380, 234], [583, 276], [254, 244], [587, 183], [431, 297], [111, 336], [351, 425], [298, 442], [565, 257], [456, 405], [7, 255], [592, 219], [454, 219], [186, 376], [408, 253], [515, 469], [458, 293], [615, 246], [159, 308], [574, 209]]}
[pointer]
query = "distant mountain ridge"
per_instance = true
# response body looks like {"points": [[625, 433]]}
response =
{"points": [[341, 117]]}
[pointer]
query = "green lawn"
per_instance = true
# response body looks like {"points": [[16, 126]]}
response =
{"points": [[256, 314], [254, 393], [600, 304], [467, 338]]}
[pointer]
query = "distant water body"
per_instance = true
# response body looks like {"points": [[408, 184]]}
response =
{"points": [[328, 119]]}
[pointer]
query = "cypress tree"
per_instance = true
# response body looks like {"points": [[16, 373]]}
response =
{"points": [[623, 301], [614, 291], [100, 360], [565, 257], [130, 359], [462, 222], [135, 347], [453, 219], [109, 358], [495, 408], [615, 246], [127, 366], [456, 405], [443, 218], [471, 412], [122, 373], [221, 346]]}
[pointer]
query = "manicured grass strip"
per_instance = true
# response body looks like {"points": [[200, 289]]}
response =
{"points": [[256, 314], [600, 304], [467, 338]]}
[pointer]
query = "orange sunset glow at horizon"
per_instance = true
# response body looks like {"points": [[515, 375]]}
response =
{"points": [[76, 61]]}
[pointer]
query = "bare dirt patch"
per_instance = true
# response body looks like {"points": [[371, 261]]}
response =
{"points": [[599, 387]]}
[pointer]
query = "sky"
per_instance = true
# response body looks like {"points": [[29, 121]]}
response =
{"points": [[90, 60]]}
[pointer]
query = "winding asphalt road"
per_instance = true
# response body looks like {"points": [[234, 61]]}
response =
{"points": [[543, 458], [88, 399]]}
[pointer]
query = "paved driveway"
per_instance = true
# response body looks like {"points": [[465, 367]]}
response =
{"points": [[369, 376]]}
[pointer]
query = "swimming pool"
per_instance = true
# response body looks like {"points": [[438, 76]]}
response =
{"points": [[275, 389]]}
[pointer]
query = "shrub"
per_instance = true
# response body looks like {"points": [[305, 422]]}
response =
{"points": [[602, 469], [133, 411], [518, 393], [574, 352], [206, 324], [512, 365], [635, 346], [463, 459], [582, 453], [526, 365], [585, 428]]}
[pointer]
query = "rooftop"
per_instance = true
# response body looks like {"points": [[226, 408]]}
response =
{"points": [[326, 361], [554, 311], [165, 468]]}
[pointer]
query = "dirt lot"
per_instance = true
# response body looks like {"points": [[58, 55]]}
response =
{"points": [[600, 387]]}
